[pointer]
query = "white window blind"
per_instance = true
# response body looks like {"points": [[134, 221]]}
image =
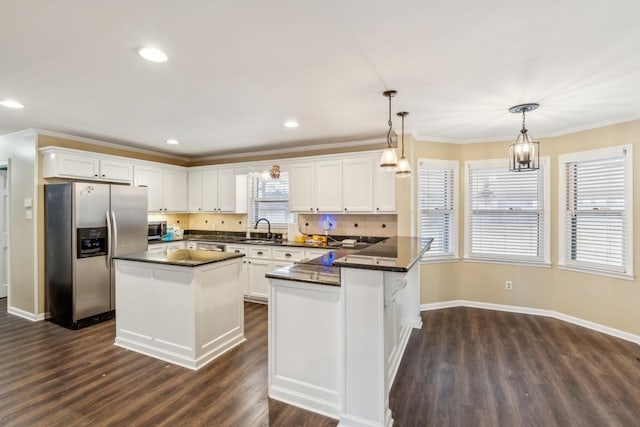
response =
{"points": [[506, 213], [596, 214], [270, 199], [437, 204]]}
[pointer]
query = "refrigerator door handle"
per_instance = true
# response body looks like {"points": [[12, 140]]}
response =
{"points": [[109, 234], [115, 232]]}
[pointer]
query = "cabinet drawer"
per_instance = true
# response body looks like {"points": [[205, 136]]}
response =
{"points": [[260, 252], [237, 249], [315, 253], [288, 254]]}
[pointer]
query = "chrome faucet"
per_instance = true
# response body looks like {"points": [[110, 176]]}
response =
{"points": [[268, 225]]}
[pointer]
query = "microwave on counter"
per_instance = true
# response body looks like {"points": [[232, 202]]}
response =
{"points": [[157, 230]]}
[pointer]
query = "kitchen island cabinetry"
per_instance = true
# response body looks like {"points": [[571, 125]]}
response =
{"points": [[182, 306], [337, 333]]}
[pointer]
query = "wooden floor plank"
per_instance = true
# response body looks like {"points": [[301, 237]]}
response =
{"points": [[465, 367]]}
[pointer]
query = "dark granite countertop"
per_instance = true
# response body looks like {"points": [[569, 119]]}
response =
{"points": [[181, 257], [393, 254], [309, 273], [231, 240], [397, 254]]}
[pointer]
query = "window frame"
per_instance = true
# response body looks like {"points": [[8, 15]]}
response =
{"points": [[454, 166], [545, 260], [582, 156], [251, 213]]}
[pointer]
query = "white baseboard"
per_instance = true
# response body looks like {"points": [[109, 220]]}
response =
{"points": [[25, 314], [534, 311]]}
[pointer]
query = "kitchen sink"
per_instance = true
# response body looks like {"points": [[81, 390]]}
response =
{"points": [[261, 242]]}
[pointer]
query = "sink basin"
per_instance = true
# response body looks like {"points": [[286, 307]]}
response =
{"points": [[261, 242]]}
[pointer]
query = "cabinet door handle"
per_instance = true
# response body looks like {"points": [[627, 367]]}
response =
{"points": [[311, 209], [95, 174], [237, 251], [377, 209], [260, 253], [287, 255], [103, 175], [317, 209], [345, 209]]}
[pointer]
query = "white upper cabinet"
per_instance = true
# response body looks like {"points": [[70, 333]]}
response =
{"points": [[316, 187], [64, 163], [195, 202], [166, 187], [210, 191], [217, 190], [384, 190], [150, 177], [357, 185], [353, 185], [301, 188], [226, 190], [175, 186], [328, 186]]}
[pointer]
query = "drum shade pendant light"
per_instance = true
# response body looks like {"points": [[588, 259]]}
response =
{"points": [[389, 160], [404, 167], [524, 154]]}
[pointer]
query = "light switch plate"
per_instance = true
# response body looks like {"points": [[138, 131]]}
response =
{"points": [[28, 202], [28, 214]]}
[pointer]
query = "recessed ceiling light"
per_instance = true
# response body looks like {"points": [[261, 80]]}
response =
{"points": [[291, 124], [153, 54], [9, 103], [172, 141]]}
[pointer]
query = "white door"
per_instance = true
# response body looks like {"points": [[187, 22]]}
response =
{"points": [[3, 233]]}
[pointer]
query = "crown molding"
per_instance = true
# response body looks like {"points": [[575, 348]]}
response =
{"points": [[109, 144], [290, 150]]}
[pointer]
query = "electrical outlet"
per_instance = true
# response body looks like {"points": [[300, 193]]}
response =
{"points": [[508, 285]]}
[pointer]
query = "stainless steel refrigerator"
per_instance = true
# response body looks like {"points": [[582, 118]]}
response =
{"points": [[86, 224]]}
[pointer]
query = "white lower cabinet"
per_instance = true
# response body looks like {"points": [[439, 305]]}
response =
{"points": [[166, 246], [260, 260]]}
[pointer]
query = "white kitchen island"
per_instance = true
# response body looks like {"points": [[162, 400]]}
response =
{"points": [[338, 329], [184, 306]]}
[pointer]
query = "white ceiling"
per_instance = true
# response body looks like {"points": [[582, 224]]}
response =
{"points": [[238, 69]]}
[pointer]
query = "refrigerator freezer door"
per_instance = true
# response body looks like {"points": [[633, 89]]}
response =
{"points": [[91, 204]]}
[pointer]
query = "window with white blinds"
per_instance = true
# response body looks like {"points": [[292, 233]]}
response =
{"points": [[270, 199], [597, 210], [438, 187], [506, 213]]}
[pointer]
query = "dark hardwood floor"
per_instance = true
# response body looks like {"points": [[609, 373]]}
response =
{"points": [[473, 367], [466, 367]]}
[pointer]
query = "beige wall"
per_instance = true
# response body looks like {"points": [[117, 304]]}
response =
{"points": [[607, 301], [20, 150]]}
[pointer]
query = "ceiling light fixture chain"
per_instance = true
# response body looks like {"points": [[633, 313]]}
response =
{"points": [[404, 167]]}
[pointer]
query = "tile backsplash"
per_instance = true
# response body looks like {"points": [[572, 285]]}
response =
{"points": [[204, 221], [379, 225]]}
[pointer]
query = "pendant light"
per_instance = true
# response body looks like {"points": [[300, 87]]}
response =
{"points": [[524, 154], [404, 167], [389, 160]]}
